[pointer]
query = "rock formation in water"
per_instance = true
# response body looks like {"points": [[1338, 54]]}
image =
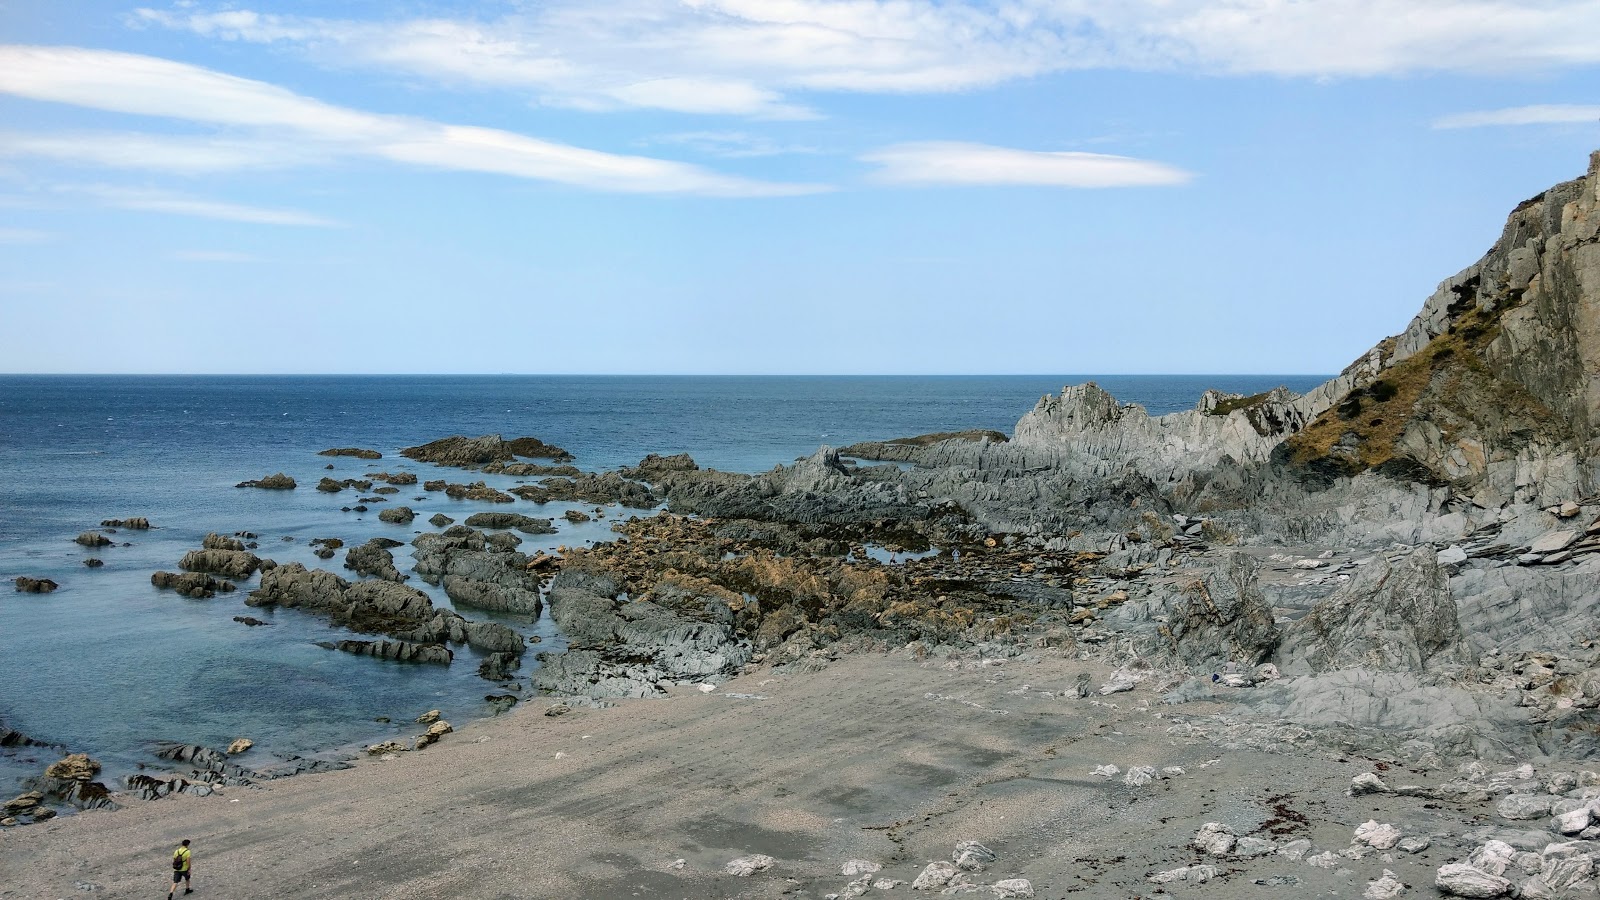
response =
{"points": [[278, 482], [465, 452], [356, 452]]}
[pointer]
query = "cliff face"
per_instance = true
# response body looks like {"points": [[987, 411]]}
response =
{"points": [[1493, 386], [1493, 389]]}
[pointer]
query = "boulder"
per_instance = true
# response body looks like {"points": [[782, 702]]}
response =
{"points": [[399, 515], [935, 875], [971, 856], [92, 539], [745, 866], [214, 541], [28, 585], [373, 559], [231, 563], [1366, 783], [440, 520], [1377, 836], [435, 731], [499, 666], [1553, 541], [1214, 839], [1462, 880], [240, 745], [1188, 874], [197, 585], [76, 767], [137, 523], [1524, 806]]}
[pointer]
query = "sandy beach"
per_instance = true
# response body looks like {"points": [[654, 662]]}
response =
{"points": [[877, 757]]}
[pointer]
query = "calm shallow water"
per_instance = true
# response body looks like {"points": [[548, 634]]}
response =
{"points": [[108, 664]]}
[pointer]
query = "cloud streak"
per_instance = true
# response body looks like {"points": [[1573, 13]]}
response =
{"points": [[146, 200], [271, 118], [744, 57], [1548, 114], [25, 236], [951, 163]]}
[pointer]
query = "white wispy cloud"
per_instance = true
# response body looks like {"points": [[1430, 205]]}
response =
{"points": [[187, 154], [25, 236], [1548, 114], [222, 256], [159, 201], [731, 144], [276, 127], [744, 57], [961, 164]]}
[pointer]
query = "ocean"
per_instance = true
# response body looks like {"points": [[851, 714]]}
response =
{"points": [[109, 665]]}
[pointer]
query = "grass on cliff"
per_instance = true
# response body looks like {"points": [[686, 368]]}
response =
{"points": [[1231, 404], [1375, 417]]}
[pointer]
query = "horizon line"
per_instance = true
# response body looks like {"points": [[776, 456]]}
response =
{"points": [[662, 374]]}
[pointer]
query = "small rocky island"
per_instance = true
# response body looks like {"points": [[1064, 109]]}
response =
{"points": [[1335, 644]]}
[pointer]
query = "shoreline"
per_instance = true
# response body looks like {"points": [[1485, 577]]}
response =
{"points": [[877, 756]]}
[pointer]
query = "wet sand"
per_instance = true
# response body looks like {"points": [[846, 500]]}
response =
{"points": [[876, 757]]}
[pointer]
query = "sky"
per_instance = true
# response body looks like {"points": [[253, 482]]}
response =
{"points": [[763, 186]]}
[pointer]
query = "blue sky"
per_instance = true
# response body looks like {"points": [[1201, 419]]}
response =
{"points": [[763, 186]]}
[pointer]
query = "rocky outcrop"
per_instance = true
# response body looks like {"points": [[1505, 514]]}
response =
{"points": [[631, 648], [654, 466], [28, 585], [403, 651], [399, 515], [492, 596], [356, 452], [816, 490], [373, 559], [464, 452], [1396, 617], [478, 570], [588, 487], [278, 482], [524, 524], [1223, 618], [196, 585], [229, 563], [528, 470], [474, 491], [214, 541], [92, 539], [137, 523], [404, 613]]}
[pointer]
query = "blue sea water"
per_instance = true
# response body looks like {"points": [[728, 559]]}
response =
{"points": [[108, 664]]}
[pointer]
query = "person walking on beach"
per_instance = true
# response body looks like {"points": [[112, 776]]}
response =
{"points": [[180, 870]]}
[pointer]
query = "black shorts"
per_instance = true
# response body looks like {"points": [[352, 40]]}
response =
{"points": [[180, 876]]}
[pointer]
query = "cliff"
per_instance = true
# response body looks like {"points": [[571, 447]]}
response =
{"points": [[1493, 389]]}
